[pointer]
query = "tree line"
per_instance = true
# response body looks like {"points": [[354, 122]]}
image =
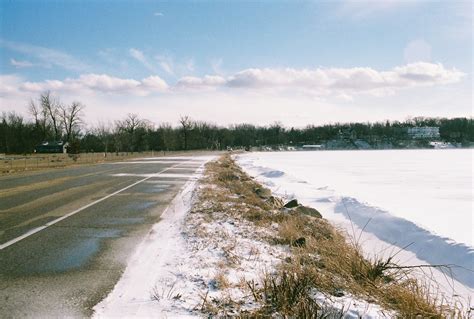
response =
{"points": [[51, 120]]}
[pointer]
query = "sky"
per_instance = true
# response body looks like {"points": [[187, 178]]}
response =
{"points": [[225, 62]]}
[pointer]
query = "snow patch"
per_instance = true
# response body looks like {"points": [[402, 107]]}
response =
{"points": [[132, 295]]}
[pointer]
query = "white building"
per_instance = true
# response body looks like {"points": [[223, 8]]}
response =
{"points": [[423, 132], [312, 147]]}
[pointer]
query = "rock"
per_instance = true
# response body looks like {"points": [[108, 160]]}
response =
{"points": [[291, 204], [338, 293], [275, 202], [308, 211], [300, 242], [263, 193]]}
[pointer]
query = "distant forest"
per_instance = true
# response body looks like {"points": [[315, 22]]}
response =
{"points": [[50, 120]]}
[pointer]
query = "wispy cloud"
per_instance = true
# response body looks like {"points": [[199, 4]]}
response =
{"points": [[166, 63], [21, 64], [46, 57], [180, 68], [158, 14], [140, 57], [417, 50], [216, 66], [113, 59], [359, 9]]}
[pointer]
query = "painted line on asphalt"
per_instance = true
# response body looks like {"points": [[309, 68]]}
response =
{"points": [[40, 228]]}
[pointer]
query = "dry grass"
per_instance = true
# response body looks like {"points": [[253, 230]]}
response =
{"points": [[322, 258]]}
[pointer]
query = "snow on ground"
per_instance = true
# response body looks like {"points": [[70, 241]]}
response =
{"points": [[384, 235], [154, 259], [193, 260], [183, 261]]}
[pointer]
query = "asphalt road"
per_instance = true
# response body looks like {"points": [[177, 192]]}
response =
{"points": [[66, 234]]}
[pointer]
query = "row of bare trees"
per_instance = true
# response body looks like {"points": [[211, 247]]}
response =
{"points": [[56, 121]]}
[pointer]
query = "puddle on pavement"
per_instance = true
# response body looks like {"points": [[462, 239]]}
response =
{"points": [[156, 189], [101, 233], [140, 205], [75, 254]]}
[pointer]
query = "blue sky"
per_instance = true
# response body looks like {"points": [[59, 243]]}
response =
{"points": [[329, 61]]}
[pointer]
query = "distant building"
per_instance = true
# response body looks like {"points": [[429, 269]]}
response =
{"points": [[52, 147], [312, 147], [441, 145], [423, 132]]}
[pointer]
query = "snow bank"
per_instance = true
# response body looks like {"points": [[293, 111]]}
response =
{"points": [[133, 295]]}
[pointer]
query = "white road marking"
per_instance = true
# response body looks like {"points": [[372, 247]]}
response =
{"points": [[194, 158], [157, 174], [145, 162], [38, 229], [189, 162], [174, 182]]}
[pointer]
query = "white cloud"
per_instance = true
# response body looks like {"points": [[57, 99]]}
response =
{"points": [[21, 64], [416, 51], [158, 14], [155, 83], [9, 84], [335, 82], [140, 57], [340, 81], [84, 84], [208, 81], [47, 57]]}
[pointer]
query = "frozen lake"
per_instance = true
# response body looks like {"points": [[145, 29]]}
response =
{"points": [[420, 198]]}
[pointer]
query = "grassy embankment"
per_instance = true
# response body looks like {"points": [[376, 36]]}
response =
{"points": [[321, 257]]}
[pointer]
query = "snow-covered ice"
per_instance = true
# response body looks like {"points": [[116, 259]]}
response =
{"points": [[416, 198]]}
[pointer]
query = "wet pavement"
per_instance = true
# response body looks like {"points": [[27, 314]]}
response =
{"points": [[84, 224]]}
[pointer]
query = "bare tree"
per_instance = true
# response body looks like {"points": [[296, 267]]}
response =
{"points": [[104, 132], [34, 111], [51, 108], [131, 128], [131, 123], [186, 125], [40, 116], [71, 118]]}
